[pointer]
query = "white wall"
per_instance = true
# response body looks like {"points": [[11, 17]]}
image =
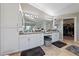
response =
{"points": [[0, 28], [66, 16]]}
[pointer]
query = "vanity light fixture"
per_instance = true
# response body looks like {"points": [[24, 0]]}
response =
{"points": [[27, 15], [35, 16], [31, 16], [49, 19]]}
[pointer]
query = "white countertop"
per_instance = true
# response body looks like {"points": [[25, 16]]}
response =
{"points": [[45, 33]]}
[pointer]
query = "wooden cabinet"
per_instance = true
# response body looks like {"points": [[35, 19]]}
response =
{"points": [[55, 36], [30, 41]]}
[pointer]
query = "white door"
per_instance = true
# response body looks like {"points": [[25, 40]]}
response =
{"points": [[9, 40]]}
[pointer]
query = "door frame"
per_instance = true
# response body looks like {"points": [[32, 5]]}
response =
{"points": [[75, 32]]}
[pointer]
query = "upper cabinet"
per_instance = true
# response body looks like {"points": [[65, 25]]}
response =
{"points": [[9, 15]]}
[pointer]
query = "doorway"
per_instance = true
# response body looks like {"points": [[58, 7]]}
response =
{"points": [[68, 30]]}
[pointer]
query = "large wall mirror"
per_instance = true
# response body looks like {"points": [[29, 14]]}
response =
{"points": [[37, 24]]}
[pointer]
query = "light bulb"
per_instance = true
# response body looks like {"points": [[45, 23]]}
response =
{"points": [[26, 14], [32, 17], [37, 16]]}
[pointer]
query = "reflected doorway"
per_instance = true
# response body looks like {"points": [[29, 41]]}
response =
{"points": [[68, 30]]}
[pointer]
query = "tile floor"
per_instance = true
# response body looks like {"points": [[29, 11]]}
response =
{"points": [[55, 51]]}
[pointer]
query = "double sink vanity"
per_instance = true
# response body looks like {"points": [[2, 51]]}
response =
{"points": [[30, 40]]}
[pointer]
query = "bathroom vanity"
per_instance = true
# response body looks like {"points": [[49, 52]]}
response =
{"points": [[30, 40]]}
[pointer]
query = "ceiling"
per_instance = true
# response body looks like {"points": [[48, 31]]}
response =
{"points": [[55, 9]]}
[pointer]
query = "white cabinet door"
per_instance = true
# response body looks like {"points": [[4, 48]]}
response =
{"points": [[33, 41], [30, 41], [9, 40], [9, 15], [40, 38], [55, 37], [36, 40], [24, 42]]}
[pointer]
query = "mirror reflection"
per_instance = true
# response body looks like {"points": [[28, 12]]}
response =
{"points": [[32, 24]]}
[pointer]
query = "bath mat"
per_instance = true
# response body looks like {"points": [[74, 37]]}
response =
{"points": [[74, 49], [59, 44], [38, 51]]}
